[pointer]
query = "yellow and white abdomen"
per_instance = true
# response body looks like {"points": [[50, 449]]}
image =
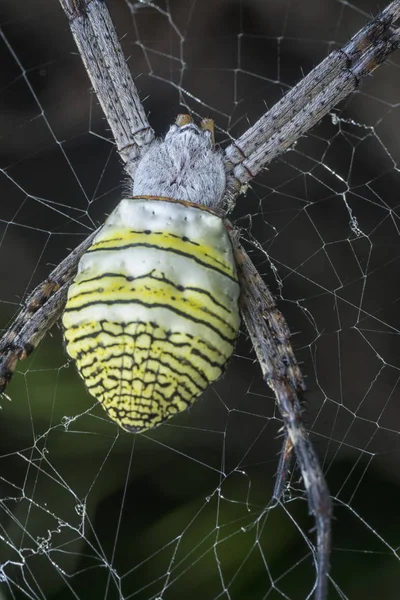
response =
{"points": [[152, 315]]}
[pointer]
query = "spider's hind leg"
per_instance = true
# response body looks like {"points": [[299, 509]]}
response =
{"points": [[270, 335], [284, 469]]}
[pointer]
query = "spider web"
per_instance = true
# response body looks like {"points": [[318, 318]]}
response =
{"points": [[87, 511]]}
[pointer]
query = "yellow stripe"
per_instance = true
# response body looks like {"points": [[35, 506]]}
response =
{"points": [[138, 378], [207, 255], [193, 305]]}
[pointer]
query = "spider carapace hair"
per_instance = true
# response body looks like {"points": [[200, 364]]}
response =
{"points": [[152, 315]]}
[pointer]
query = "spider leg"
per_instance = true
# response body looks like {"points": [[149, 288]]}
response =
{"points": [[310, 100], [270, 336], [284, 468], [40, 311], [101, 53]]}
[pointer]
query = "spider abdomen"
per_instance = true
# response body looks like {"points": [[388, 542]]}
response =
{"points": [[152, 315]]}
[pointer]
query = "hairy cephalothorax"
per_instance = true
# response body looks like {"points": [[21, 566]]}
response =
{"points": [[185, 165], [152, 312]]}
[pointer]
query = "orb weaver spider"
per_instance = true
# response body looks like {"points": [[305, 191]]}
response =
{"points": [[178, 183]]}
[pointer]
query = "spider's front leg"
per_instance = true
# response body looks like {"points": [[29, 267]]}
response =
{"points": [[39, 313], [270, 335]]}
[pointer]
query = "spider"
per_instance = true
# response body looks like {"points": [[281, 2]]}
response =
{"points": [[154, 295]]}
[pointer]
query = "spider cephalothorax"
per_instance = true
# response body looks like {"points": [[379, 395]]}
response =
{"points": [[184, 165]]}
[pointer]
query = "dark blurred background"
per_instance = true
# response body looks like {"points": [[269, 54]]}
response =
{"points": [[88, 511]]}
